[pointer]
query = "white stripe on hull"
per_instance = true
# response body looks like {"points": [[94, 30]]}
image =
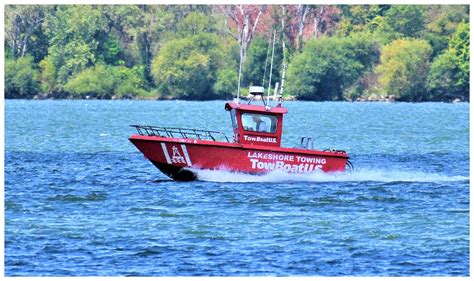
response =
{"points": [[165, 151], [186, 155]]}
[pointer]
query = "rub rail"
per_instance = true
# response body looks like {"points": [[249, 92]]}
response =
{"points": [[184, 133]]}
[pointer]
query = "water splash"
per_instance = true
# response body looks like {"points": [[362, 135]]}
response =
{"points": [[359, 175]]}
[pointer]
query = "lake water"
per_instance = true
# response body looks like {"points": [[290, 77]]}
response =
{"points": [[81, 200]]}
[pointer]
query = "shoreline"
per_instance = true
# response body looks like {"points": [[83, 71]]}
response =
{"points": [[384, 100], [369, 99]]}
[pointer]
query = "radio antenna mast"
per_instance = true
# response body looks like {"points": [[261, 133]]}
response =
{"points": [[266, 61], [240, 75], [282, 85], [271, 68]]}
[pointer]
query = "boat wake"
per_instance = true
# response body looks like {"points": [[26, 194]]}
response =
{"points": [[358, 175]]}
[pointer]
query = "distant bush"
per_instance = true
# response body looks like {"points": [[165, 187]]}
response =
{"points": [[48, 75], [97, 81], [441, 81], [21, 78], [328, 65], [105, 81], [186, 68], [449, 73], [129, 81], [226, 84], [404, 68]]}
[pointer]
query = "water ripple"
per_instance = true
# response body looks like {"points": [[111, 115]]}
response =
{"points": [[84, 202]]}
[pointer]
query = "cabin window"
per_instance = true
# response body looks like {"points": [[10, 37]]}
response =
{"points": [[259, 122], [233, 117]]}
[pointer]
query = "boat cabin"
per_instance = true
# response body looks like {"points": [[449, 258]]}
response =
{"points": [[256, 124]]}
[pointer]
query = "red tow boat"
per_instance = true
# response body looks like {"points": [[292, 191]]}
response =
{"points": [[255, 147]]}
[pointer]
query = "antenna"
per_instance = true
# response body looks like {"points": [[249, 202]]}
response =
{"points": [[271, 67], [266, 61], [276, 90], [282, 85], [240, 75]]}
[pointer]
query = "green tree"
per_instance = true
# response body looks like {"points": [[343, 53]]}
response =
{"points": [[187, 68], [195, 23], [24, 32], [95, 81], [226, 84], [148, 33], [329, 65], [404, 68], [258, 55], [73, 33], [176, 14], [359, 18], [104, 81], [109, 50], [459, 43], [21, 78], [402, 21], [442, 21], [48, 75], [449, 74], [442, 77], [124, 24]]}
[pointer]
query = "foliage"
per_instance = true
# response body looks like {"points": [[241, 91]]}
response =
{"points": [[195, 23], [21, 78], [404, 68], [24, 32], [460, 45], [359, 18], [187, 68], [104, 81], [443, 21], [259, 54], [449, 74], [442, 77], [226, 84], [328, 65], [73, 32], [110, 51], [404, 21], [193, 51], [48, 75]]}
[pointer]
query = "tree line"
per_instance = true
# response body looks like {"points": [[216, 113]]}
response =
{"points": [[333, 52]]}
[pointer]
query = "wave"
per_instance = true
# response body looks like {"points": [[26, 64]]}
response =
{"points": [[358, 175]]}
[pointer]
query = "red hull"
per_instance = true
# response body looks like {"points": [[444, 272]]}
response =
{"points": [[173, 155]]}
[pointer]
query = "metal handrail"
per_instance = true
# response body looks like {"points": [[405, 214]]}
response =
{"points": [[185, 133]]}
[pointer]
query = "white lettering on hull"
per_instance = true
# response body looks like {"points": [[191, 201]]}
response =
{"points": [[260, 139], [280, 165], [285, 162]]}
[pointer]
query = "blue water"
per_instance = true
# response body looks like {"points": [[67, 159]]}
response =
{"points": [[81, 200]]}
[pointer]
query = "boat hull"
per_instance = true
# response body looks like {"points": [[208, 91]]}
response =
{"points": [[179, 158]]}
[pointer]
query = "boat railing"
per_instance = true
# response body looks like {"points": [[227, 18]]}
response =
{"points": [[184, 133]]}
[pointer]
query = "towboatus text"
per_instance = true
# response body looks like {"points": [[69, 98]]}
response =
{"points": [[289, 163], [260, 139]]}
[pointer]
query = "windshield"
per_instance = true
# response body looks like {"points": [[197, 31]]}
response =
{"points": [[259, 122]]}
